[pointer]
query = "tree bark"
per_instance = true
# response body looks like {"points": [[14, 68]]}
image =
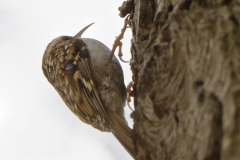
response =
{"points": [[186, 74]]}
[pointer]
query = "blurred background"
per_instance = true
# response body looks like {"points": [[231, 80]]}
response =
{"points": [[34, 121]]}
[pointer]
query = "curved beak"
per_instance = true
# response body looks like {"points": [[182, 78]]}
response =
{"points": [[78, 35]]}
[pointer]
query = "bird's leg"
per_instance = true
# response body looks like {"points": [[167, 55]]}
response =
{"points": [[129, 91], [120, 52], [118, 43]]}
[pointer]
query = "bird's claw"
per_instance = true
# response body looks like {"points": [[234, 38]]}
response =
{"points": [[118, 43]]}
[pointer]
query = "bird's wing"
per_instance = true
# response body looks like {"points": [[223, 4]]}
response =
{"points": [[87, 97]]}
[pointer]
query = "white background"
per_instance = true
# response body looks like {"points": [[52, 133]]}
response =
{"points": [[35, 124]]}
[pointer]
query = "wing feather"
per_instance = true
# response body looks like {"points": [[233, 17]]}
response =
{"points": [[84, 81]]}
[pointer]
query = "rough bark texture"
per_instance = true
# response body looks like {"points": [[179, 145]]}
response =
{"points": [[186, 74]]}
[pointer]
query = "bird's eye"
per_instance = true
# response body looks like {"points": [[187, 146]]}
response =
{"points": [[65, 38], [69, 65]]}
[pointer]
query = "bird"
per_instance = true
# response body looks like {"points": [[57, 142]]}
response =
{"points": [[91, 86]]}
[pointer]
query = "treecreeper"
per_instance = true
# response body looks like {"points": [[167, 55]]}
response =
{"points": [[91, 85]]}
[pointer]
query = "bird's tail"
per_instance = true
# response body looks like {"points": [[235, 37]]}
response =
{"points": [[122, 132]]}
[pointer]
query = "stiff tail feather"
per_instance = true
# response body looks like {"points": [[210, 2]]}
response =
{"points": [[123, 134]]}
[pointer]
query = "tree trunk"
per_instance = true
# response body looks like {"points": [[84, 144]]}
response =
{"points": [[186, 74]]}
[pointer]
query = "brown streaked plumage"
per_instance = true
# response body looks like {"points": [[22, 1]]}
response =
{"points": [[90, 85]]}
